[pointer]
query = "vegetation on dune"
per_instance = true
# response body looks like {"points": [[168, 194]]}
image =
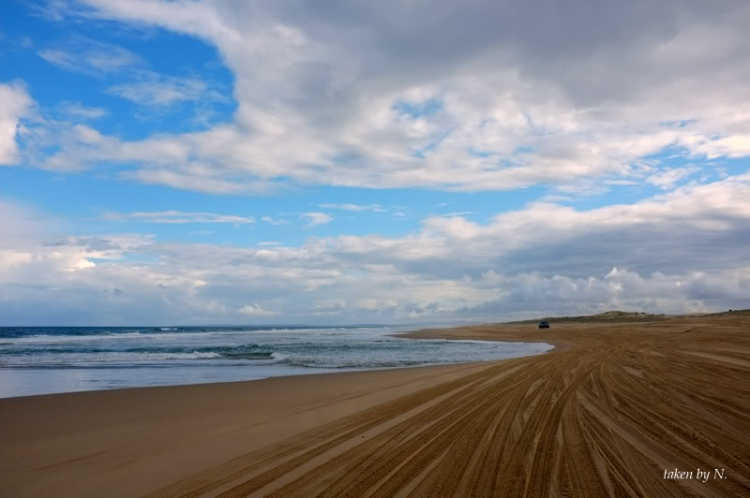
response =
{"points": [[624, 316]]}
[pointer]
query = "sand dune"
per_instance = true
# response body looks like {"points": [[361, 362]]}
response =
{"points": [[604, 415]]}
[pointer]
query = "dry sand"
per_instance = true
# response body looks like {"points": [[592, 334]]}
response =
{"points": [[605, 414]]}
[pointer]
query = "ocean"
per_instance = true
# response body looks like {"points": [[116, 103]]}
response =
{"points": [[45, 360]]}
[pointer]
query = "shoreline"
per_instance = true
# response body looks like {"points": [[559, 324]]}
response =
{"points": [[343, 371], [305, 370], [488, 332], [599, 415]]}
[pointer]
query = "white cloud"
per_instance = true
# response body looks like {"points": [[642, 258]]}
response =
{"points": [[274, 221], [678, 252], [79, 111], [458, 213], [375, 208], [53, 10], [255, 310], [154, 90], [337, 98], [668, 178], [179, 217], [362, 96], [316, 219], [14, 103], [84, 55], [58, 57], [191, 179]]}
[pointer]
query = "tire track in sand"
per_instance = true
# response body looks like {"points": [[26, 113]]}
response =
{"points": [[603, 418]]}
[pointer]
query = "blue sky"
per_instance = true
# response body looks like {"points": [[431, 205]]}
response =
{"points": [[246, 163]]}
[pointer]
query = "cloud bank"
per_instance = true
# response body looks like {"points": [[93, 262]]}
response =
{"points": [[475, 96], [481, 95], [679, 252]]}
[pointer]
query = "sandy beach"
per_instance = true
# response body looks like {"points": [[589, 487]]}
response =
{"points": [[617, 409]]}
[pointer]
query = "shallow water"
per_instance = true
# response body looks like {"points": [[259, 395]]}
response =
{"points": [[66, 359]]}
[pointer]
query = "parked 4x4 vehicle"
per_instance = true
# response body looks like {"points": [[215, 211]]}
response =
{"points": [[543, 325]]}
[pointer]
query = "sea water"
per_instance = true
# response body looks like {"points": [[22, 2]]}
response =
{"points": [[44, 360]]}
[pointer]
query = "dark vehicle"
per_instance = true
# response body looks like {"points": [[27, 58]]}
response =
{"points": [[543, 325]]}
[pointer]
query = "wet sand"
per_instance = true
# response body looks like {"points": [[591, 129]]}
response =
{"points": [[605, 414]]}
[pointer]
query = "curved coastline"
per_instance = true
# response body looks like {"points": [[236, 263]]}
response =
{"points": [[604, 413]]}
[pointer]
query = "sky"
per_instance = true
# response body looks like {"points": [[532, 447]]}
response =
{"points": [[411, 161]]}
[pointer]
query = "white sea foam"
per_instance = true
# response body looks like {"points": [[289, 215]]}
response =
{"points": [[44, 363], [61, 339], [277, 357], [99, 359]]}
